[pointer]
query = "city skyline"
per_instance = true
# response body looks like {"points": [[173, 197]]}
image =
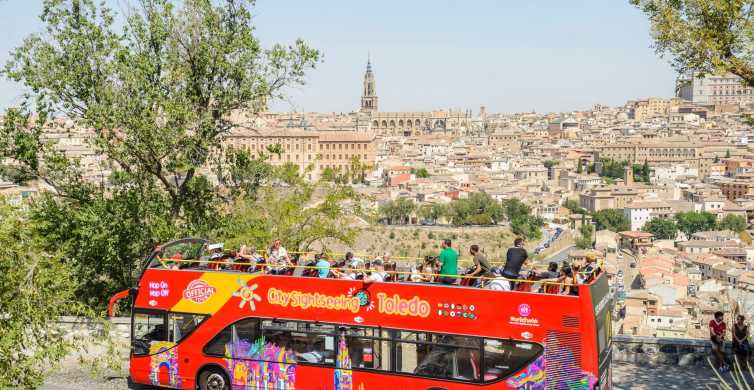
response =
{"points": [[510, 58]]}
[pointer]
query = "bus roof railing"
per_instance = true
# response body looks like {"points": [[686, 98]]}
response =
{"points": [[264, 265]]}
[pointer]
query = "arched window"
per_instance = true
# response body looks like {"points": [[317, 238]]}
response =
{"points": [[375, 124], [384, 123]]}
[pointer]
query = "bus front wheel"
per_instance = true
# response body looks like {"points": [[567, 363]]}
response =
{"points": [[213, 378]]}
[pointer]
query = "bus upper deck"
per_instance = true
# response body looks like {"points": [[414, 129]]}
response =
{"points": [[428, 335]]}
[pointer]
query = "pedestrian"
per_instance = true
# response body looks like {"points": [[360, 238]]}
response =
{"points": [[449, 263], [741, 339], [717, 336]]}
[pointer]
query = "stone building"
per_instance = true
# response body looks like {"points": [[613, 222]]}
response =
{"points": [[311, 151], [451, 122]]}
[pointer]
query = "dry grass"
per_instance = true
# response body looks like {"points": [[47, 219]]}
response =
{"points": [[419, 241]]}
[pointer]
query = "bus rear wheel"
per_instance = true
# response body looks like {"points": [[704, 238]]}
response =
{"points": [[213, 379]]}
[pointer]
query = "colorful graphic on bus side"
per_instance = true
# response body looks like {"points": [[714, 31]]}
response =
{"points": [[164, 355], [260, 365]]}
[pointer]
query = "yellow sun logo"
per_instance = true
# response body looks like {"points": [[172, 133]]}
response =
{"points": [[247, 294]]}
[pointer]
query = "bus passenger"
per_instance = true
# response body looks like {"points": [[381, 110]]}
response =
{"points": [[482, 266], [277, 258], [323, 267], [514, 260], [248, 254], [552, 275], [449, 263], [378, 273]]}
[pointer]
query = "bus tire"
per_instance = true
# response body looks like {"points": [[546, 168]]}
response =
{"points": [[213, 378]]}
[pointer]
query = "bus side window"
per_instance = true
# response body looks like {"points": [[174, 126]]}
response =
{"points": [[149, 327], [181, 324], [503, 357], [438, 355], [228, 343], [308, 342], [367, 349]]}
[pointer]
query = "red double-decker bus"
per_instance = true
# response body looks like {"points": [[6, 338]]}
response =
{"points": [[195, 328]]}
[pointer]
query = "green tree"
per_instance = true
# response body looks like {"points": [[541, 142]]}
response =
{"points": [[158, 93], [421, 173], [693, 221], [579, 167], [737, 223], [727, 153], [478, 209], [612, 219], [520, 218], [328, 174], [550, 163], [573, 206], [703, 36], [397, 211], [297, 212], [586, 239], [432, 212], [36, 288], [662, 228]]}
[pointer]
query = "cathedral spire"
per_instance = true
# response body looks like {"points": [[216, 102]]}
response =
{"points": [[369, 94]]}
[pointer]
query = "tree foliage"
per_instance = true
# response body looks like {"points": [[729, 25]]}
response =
{"points": [[158, 95], [478, 209], [522, 222], [737, 223], [295, 211], [695, 221], [704, 36], [586, 238], [612, 219], [397, 211], [662, 228], [573, 206], [36, 288], [421, 173]]}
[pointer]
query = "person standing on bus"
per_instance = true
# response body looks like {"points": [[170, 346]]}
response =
{"points": [[449, 263], [277, 258], [482, 269], [717, 336], [514, 260]]}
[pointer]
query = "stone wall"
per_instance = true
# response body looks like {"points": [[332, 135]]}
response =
{"points": [[119, 327], [656, 351]]}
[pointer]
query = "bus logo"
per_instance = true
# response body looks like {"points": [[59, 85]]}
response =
{"points": [[198, 291], [524, 310]]}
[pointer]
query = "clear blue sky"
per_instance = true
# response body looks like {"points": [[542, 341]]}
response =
{"points": [[546, 55]]}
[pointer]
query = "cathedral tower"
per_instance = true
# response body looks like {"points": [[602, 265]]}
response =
{"points": [[369, 95]]}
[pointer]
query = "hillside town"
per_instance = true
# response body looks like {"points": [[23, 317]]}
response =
{"points": [[650, 159]]}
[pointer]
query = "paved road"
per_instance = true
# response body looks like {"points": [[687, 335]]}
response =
{"points": [[626, 376], [561, 255]]}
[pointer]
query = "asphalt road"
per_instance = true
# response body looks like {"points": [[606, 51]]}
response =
{"points": [[561, 255]]}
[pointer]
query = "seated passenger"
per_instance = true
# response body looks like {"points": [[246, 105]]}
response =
{"points": [[418, 275], [551, 275], [323, 267], [277, 259], [378, 272], [215, 255], [499, 283]]}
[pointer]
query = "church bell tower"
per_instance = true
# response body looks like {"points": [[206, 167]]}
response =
{"points": [[369, 95]]}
